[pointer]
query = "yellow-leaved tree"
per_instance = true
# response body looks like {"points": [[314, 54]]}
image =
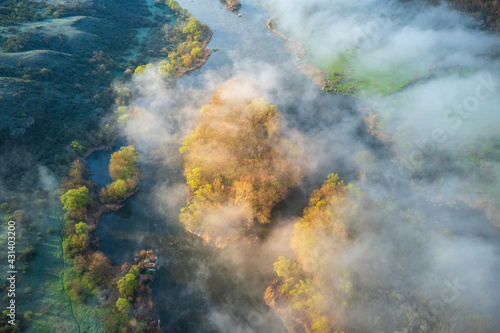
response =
{"points": [[236, 163]]}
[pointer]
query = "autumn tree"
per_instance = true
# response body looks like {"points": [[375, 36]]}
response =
{"points": [[101, 268], [123, 164], [236, 159], [77, 176]]}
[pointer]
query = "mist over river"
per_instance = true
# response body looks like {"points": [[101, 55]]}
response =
{"points": [[202, 289]]}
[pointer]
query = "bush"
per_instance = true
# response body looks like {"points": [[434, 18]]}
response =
{"points": [[29, 315], [26, 254], [75, 291]]}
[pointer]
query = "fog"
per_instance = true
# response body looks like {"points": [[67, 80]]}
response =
{"points": [[444, 114]]}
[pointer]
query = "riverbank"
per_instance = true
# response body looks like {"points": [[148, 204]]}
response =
{"points": [[381, 89], [206, 52], [141, 300], [232, 5], [311, 72]]}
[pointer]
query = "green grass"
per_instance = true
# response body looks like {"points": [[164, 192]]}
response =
{"points": [[347, 77], [48, 300], [47, 275]]}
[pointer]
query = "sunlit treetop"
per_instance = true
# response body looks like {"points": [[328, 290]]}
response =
{"points": [[236, 156]]}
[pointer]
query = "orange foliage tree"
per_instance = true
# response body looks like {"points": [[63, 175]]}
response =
{"points": [[236, 159]]}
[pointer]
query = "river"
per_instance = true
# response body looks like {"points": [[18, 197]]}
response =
{"points": [[200, 289], [196, 290]]}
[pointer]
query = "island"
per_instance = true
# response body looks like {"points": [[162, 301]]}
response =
{"points": [[232, 5], [237, 165]]}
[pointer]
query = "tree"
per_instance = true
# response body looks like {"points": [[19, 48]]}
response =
{"points": [[236, 158], [282, 267], [193, 26], [78, 243], [123, 306], [81, 228], [75, 291], [167, 70], [123, 164], [77, 146], [141, 69], [187, 61], [118, 189], [196, 53], [101, 268], [77, 176], [77, 173], [75, 199], [128, 283]]}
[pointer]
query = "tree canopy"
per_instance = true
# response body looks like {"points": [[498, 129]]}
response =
{"points": [[236, 159], [75, 199], [128, 283], [81, 228], [123, 306], [123, 164]]}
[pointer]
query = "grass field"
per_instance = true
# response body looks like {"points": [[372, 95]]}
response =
{"points": [[347, 76]]}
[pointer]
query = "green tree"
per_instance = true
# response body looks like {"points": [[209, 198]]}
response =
{"points": [[128, 283], [123, 164], [123, 306], [140, 69], [196, 53], [193, 26], [81, 228], [118, 189], [77, 146], [75, 199], [167, 70], [78, 243], [284, 268]]}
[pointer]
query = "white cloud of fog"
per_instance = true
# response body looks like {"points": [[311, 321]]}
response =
{"points": [[436, 44], [47, 179], [450, 107], [436, 47]]}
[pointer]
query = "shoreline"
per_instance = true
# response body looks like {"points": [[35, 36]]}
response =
{"points": [[144, 298], [485, 202], [206, 54], [312, 72]]}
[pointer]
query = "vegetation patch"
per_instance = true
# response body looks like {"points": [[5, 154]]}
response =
{"points": [[232, 5], [237, 166], [321, 290]]}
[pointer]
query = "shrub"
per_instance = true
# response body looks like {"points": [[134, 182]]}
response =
{"points": [[29, 315]]}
